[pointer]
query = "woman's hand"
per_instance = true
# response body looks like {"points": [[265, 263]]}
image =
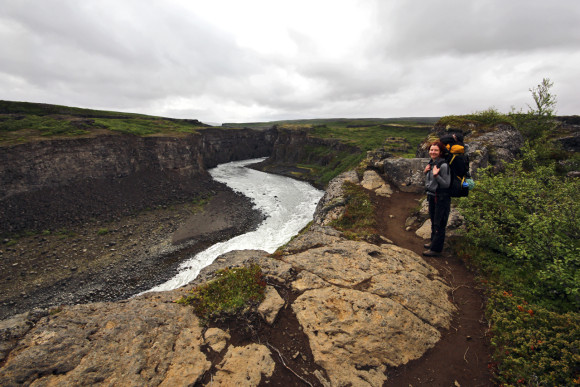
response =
{"points": [[427, 168], [436, 170]]}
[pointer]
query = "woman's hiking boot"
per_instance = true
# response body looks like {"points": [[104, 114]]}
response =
{"points": [[427, 245], [431, 253]]}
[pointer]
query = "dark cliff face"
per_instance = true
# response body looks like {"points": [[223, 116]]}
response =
{"points": [[296, 146], [219, 146], [51, 183]]}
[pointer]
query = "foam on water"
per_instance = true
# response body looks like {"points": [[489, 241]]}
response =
{"points": [[287, 203]]}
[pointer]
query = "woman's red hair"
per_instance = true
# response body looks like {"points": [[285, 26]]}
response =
{"points": [[441, 146]]}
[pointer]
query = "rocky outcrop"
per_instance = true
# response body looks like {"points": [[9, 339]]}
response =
{"points": [[362, 308], [144, 341], [494, 146], [333, 204], [406, 174]]}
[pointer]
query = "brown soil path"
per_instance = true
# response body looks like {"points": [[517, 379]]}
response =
{"points": [[461, 357]]}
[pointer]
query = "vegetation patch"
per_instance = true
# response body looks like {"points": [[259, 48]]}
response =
{"points": [[482, 121], [372, 135], [234, 291], [23, 122], [199, 203], [358, 221], [534, 346], [103, 231], [523, 237]]}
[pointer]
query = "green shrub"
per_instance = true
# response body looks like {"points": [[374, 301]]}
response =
{"points": [[533, 346], [491, 117], [529, 218], [234, 291], [522, 234]]}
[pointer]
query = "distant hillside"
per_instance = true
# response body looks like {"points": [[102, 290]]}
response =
{"points": [[337, 122], [22, 122]]}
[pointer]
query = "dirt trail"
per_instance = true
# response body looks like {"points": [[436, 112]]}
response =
{"points": [[462, 355]]}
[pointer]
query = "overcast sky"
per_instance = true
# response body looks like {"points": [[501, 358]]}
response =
{"points": [[262, 60]]}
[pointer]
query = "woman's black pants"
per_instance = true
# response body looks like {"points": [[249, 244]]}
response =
{"points": [[439, 207]]}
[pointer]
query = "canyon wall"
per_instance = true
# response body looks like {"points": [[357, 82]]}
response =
{"points": [[47, 184], [295, 147]]}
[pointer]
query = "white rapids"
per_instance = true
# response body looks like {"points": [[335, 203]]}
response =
{"points": [[287, 203]]}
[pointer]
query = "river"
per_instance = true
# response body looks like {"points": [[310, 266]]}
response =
{"points": [[287, 203]]}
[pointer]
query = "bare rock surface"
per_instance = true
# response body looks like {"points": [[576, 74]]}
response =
{"points": [[244, 366], [353, 334], [147, 340], [374, 182]]}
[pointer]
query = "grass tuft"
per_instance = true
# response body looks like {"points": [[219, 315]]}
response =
{"points": [[358, 222]]}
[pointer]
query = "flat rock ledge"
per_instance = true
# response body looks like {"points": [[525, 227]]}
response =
{"points": [[363, 307]]}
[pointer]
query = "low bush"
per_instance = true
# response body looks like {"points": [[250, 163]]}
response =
{"points": [[233, 292], [522, 236], [529, 218], [534, 346]]}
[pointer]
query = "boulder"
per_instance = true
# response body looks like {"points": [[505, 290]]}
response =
{"points": [[497, 147], [332, 204], [271, 305], [374, 182], [387, 271], [454, 223], [425, 230], [406, 174]]}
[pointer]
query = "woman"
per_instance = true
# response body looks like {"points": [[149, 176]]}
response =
{"points": [[437, 181]]}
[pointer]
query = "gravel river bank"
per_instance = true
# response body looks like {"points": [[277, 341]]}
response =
{"points": [[109, 260]]}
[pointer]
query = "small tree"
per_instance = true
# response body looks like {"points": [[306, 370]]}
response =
{"points": [[545, 101], [539, 120]]}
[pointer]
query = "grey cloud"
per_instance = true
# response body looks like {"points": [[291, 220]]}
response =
{"points": [[412, 58], [424, 28], [138, 56]]}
